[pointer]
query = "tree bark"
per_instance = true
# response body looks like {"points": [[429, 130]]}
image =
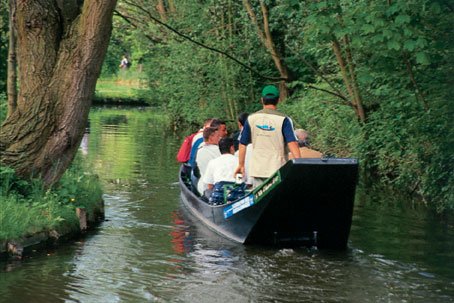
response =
{"points": [[161, 8], [60, 50], [354, 81], [347, 80], [12, 62], [172, 7]]}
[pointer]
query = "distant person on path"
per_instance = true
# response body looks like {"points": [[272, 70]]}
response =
{"points": [[269, 131], [124, 63]]}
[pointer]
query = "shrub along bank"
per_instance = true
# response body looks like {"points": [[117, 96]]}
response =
{"points": [[30, 213]]}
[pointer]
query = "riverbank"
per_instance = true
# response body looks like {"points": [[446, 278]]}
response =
{"points": [[24, 245], [124, 89], [33, 216]]}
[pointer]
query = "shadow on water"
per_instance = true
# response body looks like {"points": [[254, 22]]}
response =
{"points": [[150, 249]]}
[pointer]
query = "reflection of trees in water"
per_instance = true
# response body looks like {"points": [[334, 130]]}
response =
{"points": [[84, 144], [113, 120]]}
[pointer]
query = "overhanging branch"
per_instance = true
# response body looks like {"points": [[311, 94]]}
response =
{"points": [[199, 43], [130, 22]]}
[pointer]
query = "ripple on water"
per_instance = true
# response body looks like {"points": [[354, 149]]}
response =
{"points": [[148, 251]]}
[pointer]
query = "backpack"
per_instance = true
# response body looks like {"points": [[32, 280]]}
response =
{"points": [[128, 64], [185, 149], [225, 191]]}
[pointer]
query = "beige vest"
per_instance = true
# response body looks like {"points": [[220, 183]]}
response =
{"points": [[268, 143]]}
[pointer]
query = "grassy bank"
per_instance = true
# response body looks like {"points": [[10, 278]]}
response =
{"points": [[27, 208], [126, 88]]}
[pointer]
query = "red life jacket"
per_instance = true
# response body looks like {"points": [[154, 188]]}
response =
{"points": [[185, 149]]}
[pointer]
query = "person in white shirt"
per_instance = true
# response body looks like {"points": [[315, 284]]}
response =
{"points": [[124, 64], [208, 151], [220, 168]]}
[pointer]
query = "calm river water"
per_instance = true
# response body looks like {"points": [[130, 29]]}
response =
{"points": [[149, 249]]}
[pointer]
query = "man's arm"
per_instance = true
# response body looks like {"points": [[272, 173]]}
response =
{"points": [[241, 160], [245, 139], [294, 149], [290, 138]]}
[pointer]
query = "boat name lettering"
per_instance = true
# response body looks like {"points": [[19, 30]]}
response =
{"points": [[267, 187]]}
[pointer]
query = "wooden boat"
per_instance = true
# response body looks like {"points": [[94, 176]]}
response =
{"points": [[306, 202]]}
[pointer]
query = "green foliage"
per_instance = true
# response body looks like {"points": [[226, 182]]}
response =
{"points": [[11, 184], [26, 207], [410, 149], [402, 51], [401, 58], [3, 107], [332, 126], [18, 218], [128, 88], [193, 77], [119, 46]]}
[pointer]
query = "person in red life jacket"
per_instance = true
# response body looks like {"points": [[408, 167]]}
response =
{"points": [[269, 131]]}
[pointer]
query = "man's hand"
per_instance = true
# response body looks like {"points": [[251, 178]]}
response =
{"points": [[241, 159], [239, 170]]}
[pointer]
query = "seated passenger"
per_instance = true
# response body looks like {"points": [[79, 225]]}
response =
{"points": [[220, 126], [196, 141], [220, 168], [303, 144], [205, 153]]}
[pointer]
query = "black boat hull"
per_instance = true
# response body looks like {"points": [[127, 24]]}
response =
{"points": [[306, 202]]}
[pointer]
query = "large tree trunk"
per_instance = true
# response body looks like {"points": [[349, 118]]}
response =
{"points": [[12, 62], [60, 50]]}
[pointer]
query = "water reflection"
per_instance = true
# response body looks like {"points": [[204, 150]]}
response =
{"points": [[181, 237], [150, 249]]}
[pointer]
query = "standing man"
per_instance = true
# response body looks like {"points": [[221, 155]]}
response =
{"points": [[269, 131]]}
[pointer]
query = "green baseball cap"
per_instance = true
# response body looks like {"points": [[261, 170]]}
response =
{"points": [[270, 91]]}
